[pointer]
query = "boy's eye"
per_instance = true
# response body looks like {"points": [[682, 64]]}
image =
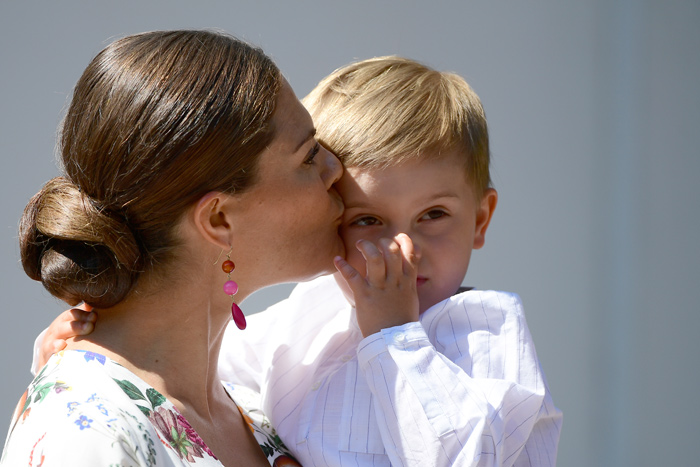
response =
{"points": [[312, 153], [433, 214], [365, 221]]}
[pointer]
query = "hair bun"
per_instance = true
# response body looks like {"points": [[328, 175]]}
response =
{"points": [[79, 251]]}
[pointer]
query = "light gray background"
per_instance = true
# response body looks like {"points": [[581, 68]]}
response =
{"points": [[593, 108]]}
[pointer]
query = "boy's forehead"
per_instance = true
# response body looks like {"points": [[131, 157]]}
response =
{"points": [[434, 176], [426, 164]]}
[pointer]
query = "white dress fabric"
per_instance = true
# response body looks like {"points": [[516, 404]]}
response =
{"points": [[85, 410], [461, 387]]}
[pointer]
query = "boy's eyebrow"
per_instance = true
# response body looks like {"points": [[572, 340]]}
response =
{"points": [[444, 194], [311, 134], [350, 203]]}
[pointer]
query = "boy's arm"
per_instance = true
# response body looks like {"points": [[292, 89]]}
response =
{"points": [[477, 400], [474, 401], [71, 323]]}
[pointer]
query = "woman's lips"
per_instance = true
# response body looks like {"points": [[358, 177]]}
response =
{"points": [[420, 280]]}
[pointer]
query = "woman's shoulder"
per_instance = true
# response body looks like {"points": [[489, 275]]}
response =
{"points": [[85, 409], [73, 411]]}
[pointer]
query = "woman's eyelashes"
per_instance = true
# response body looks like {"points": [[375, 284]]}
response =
{"points": [[312, 153]]}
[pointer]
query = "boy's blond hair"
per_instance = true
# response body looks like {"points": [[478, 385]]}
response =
{"points": [[387, 110]]}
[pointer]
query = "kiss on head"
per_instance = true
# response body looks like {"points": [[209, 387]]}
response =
{"points": [[185, 149]]}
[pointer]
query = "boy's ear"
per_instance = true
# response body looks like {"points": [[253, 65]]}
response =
{"points": [[213, 219], [483, 216]]}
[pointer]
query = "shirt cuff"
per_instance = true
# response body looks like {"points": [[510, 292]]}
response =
{"points": [[401, 337]]}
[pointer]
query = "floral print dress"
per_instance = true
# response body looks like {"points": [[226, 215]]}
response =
{"points": [[84, 409]]}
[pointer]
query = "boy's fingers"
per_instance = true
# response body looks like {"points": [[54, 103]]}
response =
{"points": [[376, 267], [82, 322], [81, 328], [57, 346], [82, 315], [392, 257], [349, 273], [409, 251]]}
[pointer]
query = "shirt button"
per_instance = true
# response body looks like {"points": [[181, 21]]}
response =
{"points": [[400, 337], [315, 386], [346, 358]]}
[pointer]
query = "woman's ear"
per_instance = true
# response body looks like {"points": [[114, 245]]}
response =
{"points": [[484, 212], [212, 219]]}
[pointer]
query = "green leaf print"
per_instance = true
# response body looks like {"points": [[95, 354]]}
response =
{"points": [[180, 441], [41, 374], [267, 449], [132, 391], [146, 411], [154, 397], [41, 391]]}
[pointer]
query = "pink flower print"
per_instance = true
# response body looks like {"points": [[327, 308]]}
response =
{"points": [[60, 386], [193, 436], [176, 433]]}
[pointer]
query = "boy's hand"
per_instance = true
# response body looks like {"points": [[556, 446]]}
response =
{"points": [[71, 323], [387, 295]]}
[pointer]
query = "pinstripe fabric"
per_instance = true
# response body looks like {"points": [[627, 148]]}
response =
{"points": [[462, 387]]}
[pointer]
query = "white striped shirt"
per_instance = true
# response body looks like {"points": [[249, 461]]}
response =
{"points": [[462, 387]]}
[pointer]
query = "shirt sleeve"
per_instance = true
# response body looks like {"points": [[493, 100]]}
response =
{"points": [[471, 396], [240, 355]]}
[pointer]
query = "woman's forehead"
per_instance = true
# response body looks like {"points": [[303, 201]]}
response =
{"points": [[293, 124]]}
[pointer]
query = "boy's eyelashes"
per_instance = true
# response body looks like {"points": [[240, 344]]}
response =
{"points": [[366, 221], [433, 214]]}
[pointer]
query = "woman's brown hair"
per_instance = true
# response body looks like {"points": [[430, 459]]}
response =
{"points": [[156, 121]]}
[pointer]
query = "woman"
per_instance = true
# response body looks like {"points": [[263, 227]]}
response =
{"points": [[182, 151]]}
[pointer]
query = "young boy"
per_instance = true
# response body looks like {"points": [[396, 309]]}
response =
{"points": [[383, 364], [442, 380]]}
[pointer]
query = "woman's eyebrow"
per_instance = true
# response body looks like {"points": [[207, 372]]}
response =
{"points": [[311, 134]]}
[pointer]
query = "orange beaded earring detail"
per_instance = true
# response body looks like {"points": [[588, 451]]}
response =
{"points": [[230, 288]]}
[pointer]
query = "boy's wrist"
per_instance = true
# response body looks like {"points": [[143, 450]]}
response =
{"points": [[401, 337]]}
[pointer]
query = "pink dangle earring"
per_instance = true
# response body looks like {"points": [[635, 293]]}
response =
{"points": [[230, 288]]}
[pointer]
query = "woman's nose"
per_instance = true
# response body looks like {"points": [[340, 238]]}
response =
{"points": [[333, 169]]}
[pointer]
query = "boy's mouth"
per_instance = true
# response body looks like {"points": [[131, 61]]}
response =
{"points": [[420, 280]]}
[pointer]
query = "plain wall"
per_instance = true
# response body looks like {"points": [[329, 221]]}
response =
{"points": [[593, 109]]}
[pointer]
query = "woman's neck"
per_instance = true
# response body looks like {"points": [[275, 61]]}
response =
{"points": [[170, 340]]}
